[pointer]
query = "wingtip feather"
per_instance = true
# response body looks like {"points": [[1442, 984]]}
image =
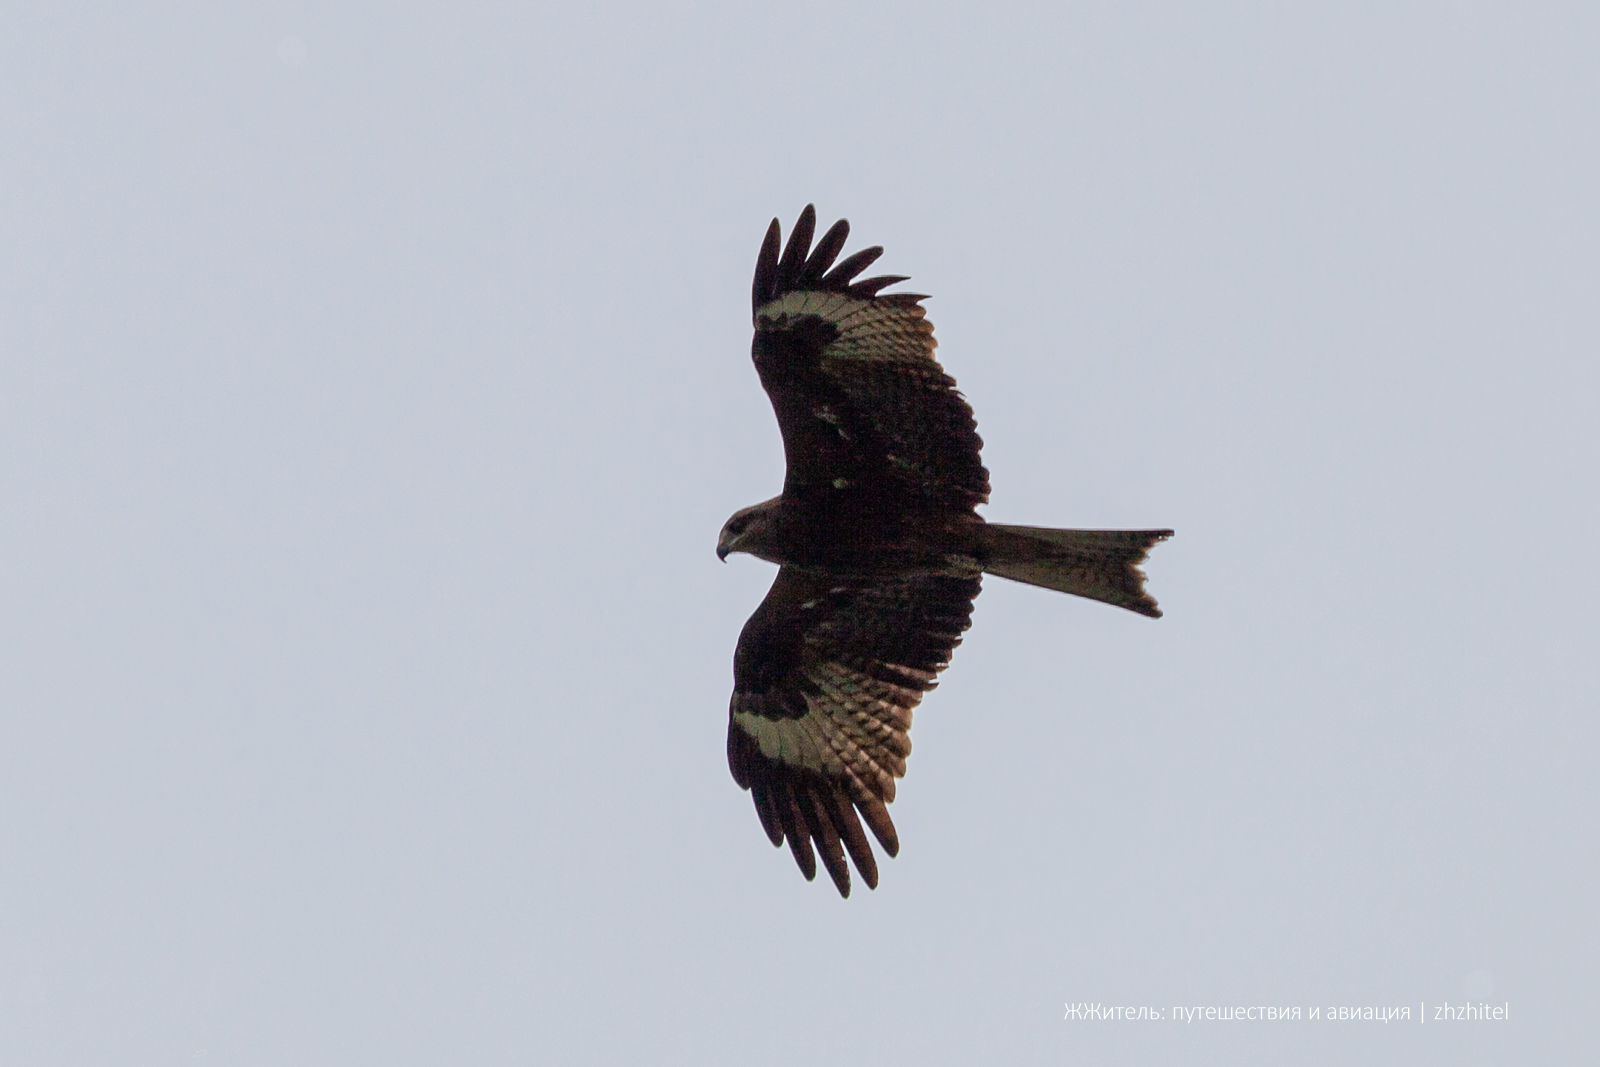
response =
{"points": [[869, 287], [882, 826], [795, 252], [825, 253], [855, 841], [767, 812], [826, 838], [766, 280], [793, 828], [840, 276]]}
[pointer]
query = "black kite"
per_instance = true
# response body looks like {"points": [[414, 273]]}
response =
{"points": [[880, 547]]}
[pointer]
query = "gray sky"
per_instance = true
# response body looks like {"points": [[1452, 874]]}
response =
{"points": [[374, 380]]}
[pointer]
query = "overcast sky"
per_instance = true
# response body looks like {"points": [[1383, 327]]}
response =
{"points": [[374, 380]]}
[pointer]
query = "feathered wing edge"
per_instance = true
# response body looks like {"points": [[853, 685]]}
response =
{"points": [[800, 267], [896, 638], [912, 425], [803, 808]]}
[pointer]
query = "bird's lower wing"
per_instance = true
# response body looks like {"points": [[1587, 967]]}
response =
{"points": [[826, 675]]}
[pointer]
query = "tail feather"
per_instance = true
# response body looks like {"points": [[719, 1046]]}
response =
{"points": [[1098, 564]]}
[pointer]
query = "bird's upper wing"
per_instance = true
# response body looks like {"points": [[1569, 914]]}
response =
{"points": [[824, 679], [861, 401]]}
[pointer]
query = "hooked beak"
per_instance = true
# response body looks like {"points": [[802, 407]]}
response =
{"points": [[722, 553]]}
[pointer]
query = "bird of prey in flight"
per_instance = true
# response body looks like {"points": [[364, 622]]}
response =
{"points": [[879, 546]]}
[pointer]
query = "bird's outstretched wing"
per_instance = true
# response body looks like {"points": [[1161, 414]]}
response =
{"points": [[864, 408], [825, 676]]}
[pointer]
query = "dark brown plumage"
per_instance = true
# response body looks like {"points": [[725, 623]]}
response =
{"points": [[880, 546]]}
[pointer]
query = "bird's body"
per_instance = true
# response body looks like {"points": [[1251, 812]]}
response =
{"points": [[837, 540], [880, 545]]}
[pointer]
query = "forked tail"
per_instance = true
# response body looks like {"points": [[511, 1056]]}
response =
{"points": [[1098, 564]]}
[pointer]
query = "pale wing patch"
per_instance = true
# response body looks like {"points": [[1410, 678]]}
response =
{"points": [[881, 330], [855, 729], [831, 307]]}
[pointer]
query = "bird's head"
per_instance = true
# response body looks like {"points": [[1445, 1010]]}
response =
{"points": [[747, 530]]}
